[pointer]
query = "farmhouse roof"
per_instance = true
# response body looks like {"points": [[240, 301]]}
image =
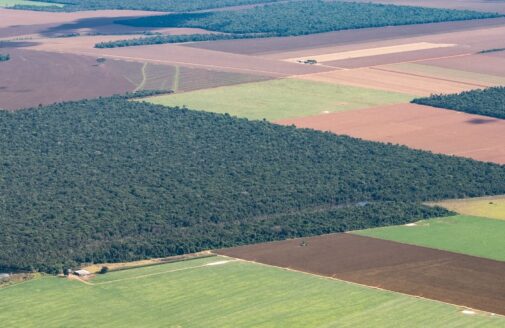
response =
{"points": [[82, 272]]}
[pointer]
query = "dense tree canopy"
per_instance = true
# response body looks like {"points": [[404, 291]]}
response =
{"points": [[307, 17], [487, 102], [4, 57], [155, 5], [113, 180]]}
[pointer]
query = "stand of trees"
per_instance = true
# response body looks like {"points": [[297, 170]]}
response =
{"points": [[288, 19], [487, 102], [307, 17], [154, 5], [4, 57], [112, 179]]}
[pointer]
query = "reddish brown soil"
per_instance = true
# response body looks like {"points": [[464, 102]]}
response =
{"points": [[490, 64], [31, 78], [448, 277], [341, 38], [421, 127], [173, 54], [410, 56], [387, 80]]}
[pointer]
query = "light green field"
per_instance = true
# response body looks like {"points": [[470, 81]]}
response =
{"points": [[489, 207], [10, 3], [279, 99], [447, 73], [461, 234], [231, 294]]}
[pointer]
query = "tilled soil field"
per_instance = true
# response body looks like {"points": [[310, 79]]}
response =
{"points": [[421, 127], [448, 277]]}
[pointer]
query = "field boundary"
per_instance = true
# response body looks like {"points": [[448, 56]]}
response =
{"points": [[366, 286]]}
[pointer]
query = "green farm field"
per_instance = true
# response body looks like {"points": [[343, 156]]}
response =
{"points": [[220, 292], [280, 99], [10, 3], [470, 235]]}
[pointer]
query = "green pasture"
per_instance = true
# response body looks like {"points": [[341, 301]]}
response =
{"points": [[229, 294], [280, 99], [461, 234]]}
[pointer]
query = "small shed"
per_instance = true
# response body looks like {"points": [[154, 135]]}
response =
{"points": [[82, 273]]}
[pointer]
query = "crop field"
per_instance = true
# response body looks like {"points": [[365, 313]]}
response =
{"points": [[489, 207], [408, 269], [484, 80], [420, 127], [381, 79], [484, 64], [460, 234], [220, 292], [279, 99]]}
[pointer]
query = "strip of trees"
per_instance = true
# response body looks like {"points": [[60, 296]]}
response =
{"points": [[4, 57], [113, 179], [488, 102]]}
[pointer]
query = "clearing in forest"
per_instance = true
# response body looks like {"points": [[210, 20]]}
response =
{"points": [[490, 207], [278, 99]]}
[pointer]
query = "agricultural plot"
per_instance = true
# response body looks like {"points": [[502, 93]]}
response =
{"points": [[460, 234], [478, 63], [386, 80], [456, 75], [408, 269], [490, 207], [421, 127], [221, 292], [279, 99]]}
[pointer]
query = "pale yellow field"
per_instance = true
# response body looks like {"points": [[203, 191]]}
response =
{"points": [[372, 52], [490, 207]]}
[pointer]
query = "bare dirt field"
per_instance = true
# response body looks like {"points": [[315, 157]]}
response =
{"points": [[371, 52], [448, 277], [423, 32], [31, 78], [485, 64], [421, 127], [174, 54], [22, 22], [383, 79]]}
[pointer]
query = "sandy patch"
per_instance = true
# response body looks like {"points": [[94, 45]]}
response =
{"points": [[372, 52]]}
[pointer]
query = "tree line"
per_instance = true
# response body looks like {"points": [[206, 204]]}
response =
{"points": [[149, 5], [112, 179], [488, 102], [289, 19]]}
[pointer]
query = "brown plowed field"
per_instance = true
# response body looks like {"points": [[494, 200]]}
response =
{"points": [[31, 78], [421, 127], [381, 79], [423, 32], [448, 277], [484, 64], [174, 54], [410, 56]]}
